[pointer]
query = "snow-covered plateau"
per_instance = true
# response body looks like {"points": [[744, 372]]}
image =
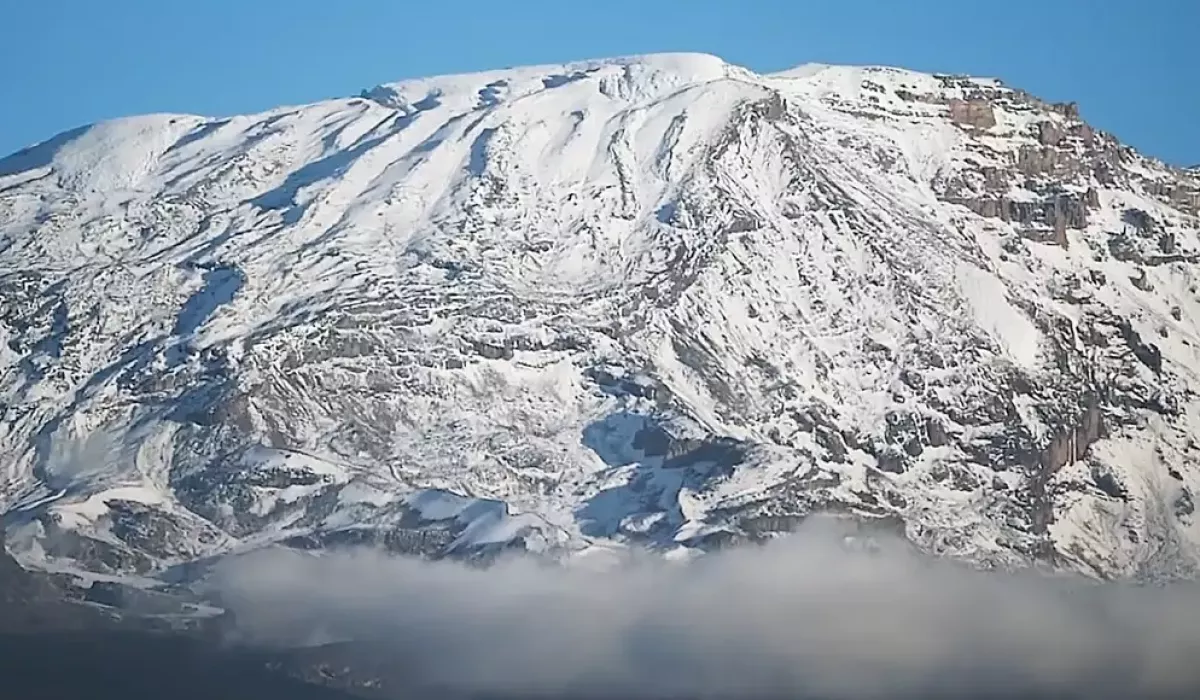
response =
{"points": [[653, 302]]}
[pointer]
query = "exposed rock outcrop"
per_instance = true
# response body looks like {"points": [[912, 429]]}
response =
{"points": [[974, 113]]}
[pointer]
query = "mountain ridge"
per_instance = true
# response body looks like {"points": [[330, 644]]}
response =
{"points": [[652, 301]]}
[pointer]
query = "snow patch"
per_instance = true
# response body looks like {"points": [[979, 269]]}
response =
{"points": [[987, 299]]}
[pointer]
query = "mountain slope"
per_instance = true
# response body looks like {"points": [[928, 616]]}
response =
{"points": [[656, 301]]}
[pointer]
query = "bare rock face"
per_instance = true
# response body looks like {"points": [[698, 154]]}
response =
{"points": [[658, 302], [974, 113], [1070, 110], [1049, 133]]}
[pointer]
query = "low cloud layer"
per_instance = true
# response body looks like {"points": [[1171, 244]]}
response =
{"points": [[801, 617]]}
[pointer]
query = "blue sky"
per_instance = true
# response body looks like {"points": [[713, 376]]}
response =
{"points": [[1133, 66]]}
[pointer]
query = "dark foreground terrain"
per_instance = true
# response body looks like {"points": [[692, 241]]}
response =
{"points": [[115, 665], [53, 646]]}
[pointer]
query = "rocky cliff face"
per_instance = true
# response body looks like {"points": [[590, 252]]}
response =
{"points": [[659, 302]]}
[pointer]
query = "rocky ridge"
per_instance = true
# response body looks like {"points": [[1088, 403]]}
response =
{"points": [[658, 301]]}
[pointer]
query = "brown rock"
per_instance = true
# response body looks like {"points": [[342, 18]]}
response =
{"points": [[1049, 134], [1043, 221], [1085, 133], [1045, 160], [973, 113], [1070, 110], [1068, 211], [1186, 199], [1071, 443]]}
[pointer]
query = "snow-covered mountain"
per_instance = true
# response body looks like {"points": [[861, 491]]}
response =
{"points": [[658, 301]]}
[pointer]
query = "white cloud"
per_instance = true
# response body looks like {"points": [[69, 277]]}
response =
{"points": [[801, 616]]}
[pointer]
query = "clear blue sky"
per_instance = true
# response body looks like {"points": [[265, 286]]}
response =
{"points": [[1134, 67]]}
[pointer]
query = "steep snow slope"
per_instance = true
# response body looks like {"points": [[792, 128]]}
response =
{"points": [[656, 301]]}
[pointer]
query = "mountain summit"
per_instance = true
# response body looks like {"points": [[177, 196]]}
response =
{"points": [[658, 301]]}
